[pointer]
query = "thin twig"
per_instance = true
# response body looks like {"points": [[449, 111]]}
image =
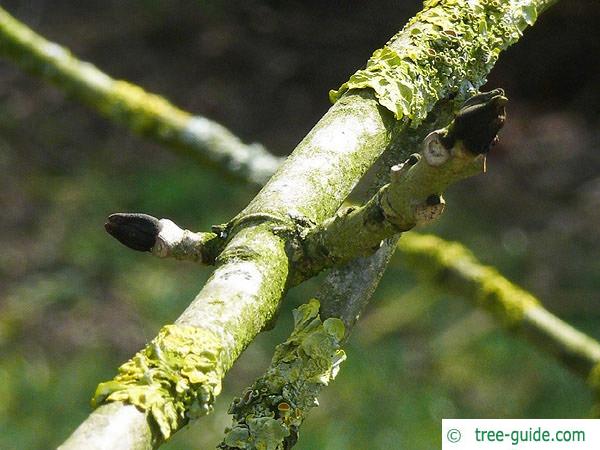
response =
{"points": [[164, 238], [453, 268], [144, 113]]}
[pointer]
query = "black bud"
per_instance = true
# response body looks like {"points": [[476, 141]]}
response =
{"points": [[136, 231], [479, 121], [483, 97]]}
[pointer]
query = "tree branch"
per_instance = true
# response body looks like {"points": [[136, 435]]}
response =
{"points": [[413, 197], [163, 238], [244, 292], [143, 113], [247, 286], [270, 412], [453, 268], [86, 83], [280, 399]]}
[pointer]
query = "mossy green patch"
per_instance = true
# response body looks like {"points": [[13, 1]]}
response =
{"points": [[268, 414], [142, 112], [447, 48], [175, 378]]}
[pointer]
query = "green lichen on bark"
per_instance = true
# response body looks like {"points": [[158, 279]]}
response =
{"points": [[120, 100], [243, 293], [413, 197], [268, 414], [174, 379], [452, 266], [448, 47]]}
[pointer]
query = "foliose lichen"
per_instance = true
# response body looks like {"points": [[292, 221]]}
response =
{"points": [[455, 269], [447, 48], [175, 378], [269, 413]]}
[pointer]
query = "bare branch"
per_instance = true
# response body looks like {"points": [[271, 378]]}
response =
{"points": [[163, 238], [453, 268], [146, 114], [413, 197]]}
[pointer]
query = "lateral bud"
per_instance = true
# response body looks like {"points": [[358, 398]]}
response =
{"points": [[134, 230], [478, 122]]}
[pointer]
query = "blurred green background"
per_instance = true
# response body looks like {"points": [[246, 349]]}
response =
{"points": [[74, 304]]}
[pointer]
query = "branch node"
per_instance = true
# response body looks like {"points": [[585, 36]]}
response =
{"points": [[169, 235], [413, 197]]}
